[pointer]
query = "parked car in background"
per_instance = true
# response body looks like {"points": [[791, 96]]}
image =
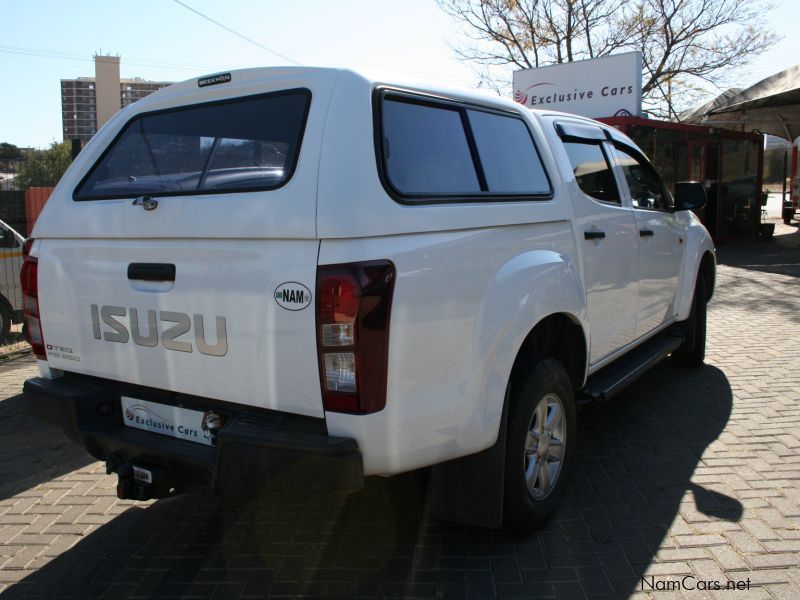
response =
{"points": [[10, 290]]}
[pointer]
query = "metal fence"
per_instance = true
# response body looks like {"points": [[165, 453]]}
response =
{"points": [[12, 339]]}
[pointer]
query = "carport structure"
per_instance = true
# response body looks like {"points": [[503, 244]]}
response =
{"points": [[771, 106], [728, 162]]}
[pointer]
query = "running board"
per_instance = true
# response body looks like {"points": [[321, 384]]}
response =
{"points": [[612, 379]]}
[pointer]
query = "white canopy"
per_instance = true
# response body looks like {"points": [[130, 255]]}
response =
{"points": [[770, 106]]}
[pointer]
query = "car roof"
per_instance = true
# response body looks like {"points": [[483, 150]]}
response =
{"points": [[188, 92]]}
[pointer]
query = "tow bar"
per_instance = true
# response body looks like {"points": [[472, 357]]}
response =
{"points": [[140, 481]]}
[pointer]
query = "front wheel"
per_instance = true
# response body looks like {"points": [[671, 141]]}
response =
{"points": [[540, 444], [5, 321], [693, 351]]}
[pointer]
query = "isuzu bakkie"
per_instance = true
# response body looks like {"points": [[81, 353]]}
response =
{"points": [[299, 277]]}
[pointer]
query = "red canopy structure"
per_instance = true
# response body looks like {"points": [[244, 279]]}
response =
{"points": [[770, 106]]}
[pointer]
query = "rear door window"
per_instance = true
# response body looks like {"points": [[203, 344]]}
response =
{"points": [[434, 151], [592, 171], [249, 143]]}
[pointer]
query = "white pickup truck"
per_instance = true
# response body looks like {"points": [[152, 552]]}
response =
{"points": [[301, 277]]}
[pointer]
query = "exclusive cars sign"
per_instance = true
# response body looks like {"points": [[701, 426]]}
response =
{"points": [[599, 87]]}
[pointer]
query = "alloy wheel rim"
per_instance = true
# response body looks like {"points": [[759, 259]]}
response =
{"points": [[544, 446]]}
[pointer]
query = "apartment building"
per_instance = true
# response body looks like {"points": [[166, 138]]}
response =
{"points": [[88, 102]]}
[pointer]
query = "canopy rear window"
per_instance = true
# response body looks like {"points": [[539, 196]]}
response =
{"points": [[245, 144]]}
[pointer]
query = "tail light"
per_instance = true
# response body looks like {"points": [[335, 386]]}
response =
{"points": [[354, 302], [30, 302]]}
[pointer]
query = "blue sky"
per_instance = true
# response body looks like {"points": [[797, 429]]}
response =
{"points": [[161, 40]]}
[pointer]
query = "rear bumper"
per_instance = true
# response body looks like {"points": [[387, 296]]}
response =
{"points": [[253, 451]]}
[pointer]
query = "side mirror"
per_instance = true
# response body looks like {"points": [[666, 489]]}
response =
{"points": [[689, 195]]}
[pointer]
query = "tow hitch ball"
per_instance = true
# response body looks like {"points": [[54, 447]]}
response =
{"points": [[140, 482]]}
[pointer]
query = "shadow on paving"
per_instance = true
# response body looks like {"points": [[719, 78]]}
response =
{"points": [[743, 291], [779, 255], [31, 453], [635, 461]]}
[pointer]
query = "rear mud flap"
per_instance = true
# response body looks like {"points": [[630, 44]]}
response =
{"points": [[470, 489]]}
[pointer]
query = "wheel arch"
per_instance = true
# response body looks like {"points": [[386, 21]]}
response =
{"points": [[698, 258], [559, 336], [533, 293], [471, 489]]}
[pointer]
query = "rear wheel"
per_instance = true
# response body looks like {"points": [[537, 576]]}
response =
{"points": [[5, 320], [540, 445], [693, 350]]}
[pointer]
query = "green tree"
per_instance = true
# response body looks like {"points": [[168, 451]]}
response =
{"points": [[8, 154], [44, 167], [684, 43], [8, 151]]}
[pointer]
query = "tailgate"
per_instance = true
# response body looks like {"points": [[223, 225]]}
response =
{"points": [[236, 324]]}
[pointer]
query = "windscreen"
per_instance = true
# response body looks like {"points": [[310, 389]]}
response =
{"points": [[250, 143]]}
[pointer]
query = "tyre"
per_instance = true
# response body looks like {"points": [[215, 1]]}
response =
{"points": [[540, 444], [5, 321], [693, 350]]}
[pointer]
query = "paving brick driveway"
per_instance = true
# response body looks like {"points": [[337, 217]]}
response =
{"points": [[689, 472]]}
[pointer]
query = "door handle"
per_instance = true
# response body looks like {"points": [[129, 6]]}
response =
{"points": [[646, 233], [151, 271], [594, 235], [146, 202]]}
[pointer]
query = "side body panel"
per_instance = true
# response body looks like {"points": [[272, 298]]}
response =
{"points": [[660, 257], [473, 279], [697, 242], [609, 275], [464, 301], [680, 267]]}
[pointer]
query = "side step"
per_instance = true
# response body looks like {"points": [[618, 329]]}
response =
{"points": [[612, 379]]}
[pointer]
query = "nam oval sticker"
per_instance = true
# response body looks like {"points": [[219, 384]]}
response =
{"points": [[292, 295]]}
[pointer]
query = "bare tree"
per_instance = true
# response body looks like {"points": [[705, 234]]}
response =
{"points": [[683, 42]]}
